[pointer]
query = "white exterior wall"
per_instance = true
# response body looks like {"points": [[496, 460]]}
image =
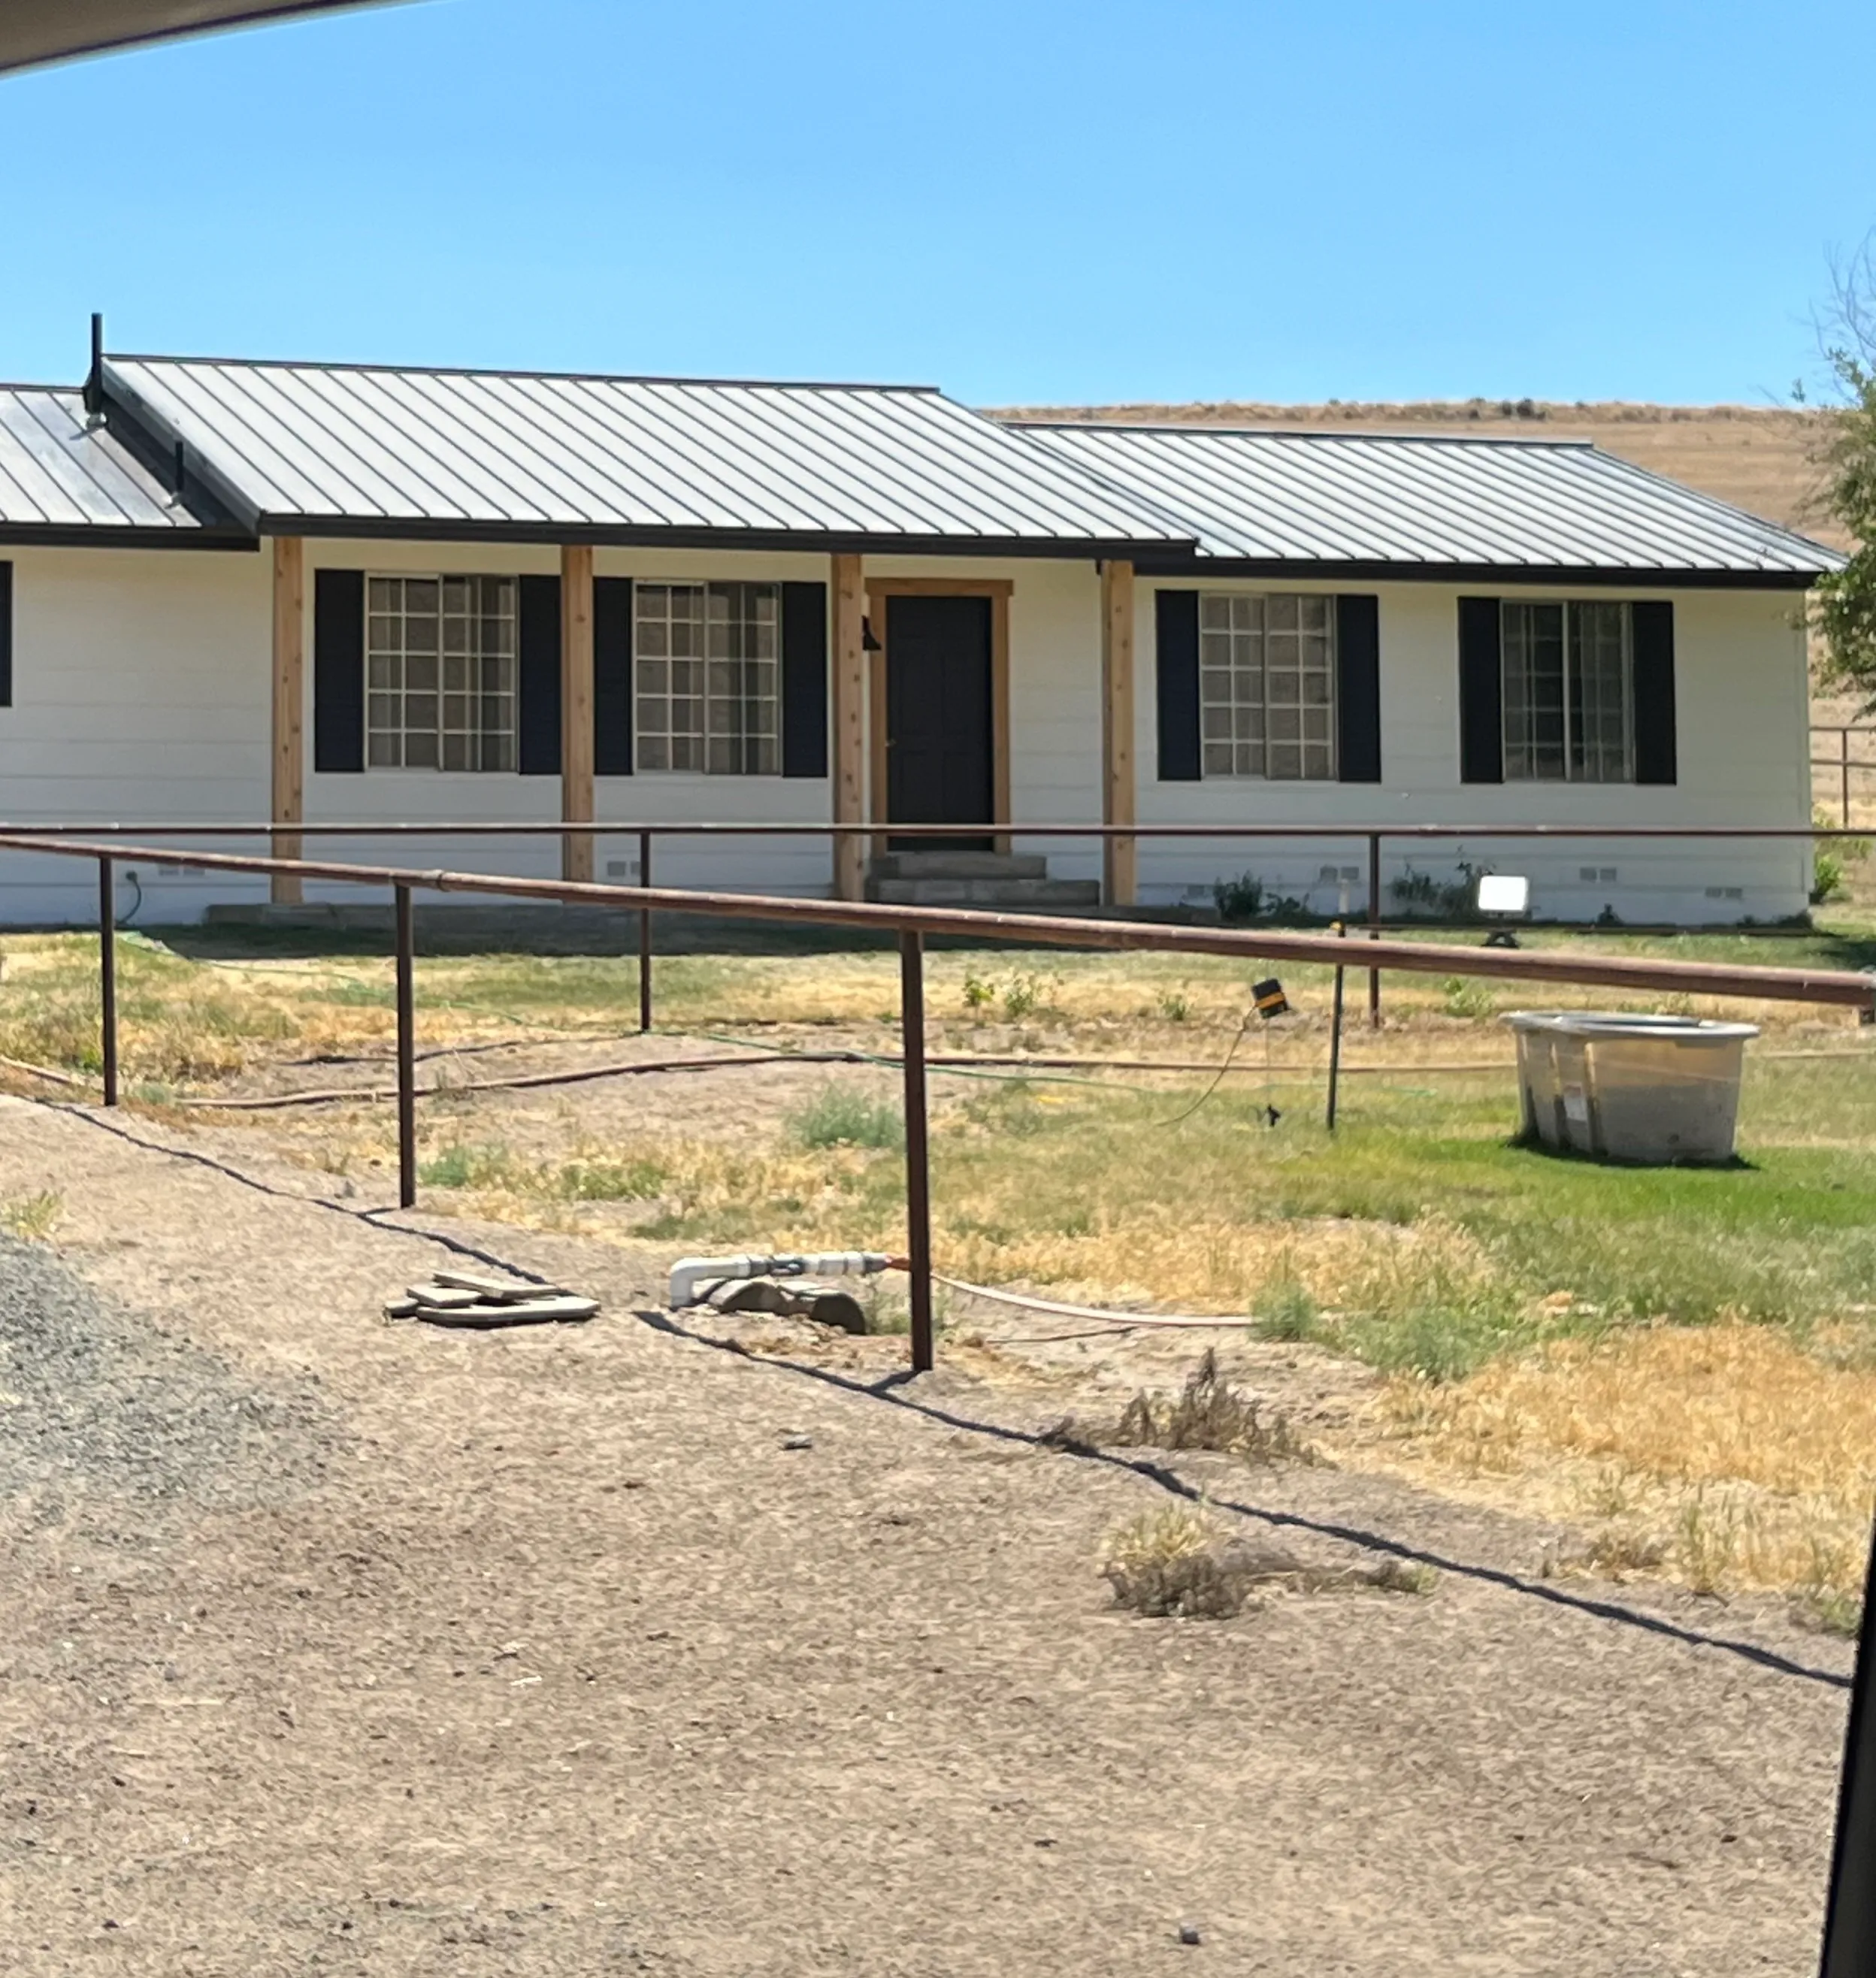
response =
{"points": [[140, 694], [1743, 742], [141, 691]]}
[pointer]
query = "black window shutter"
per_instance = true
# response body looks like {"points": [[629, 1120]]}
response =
{"points": [[1176, 632], [804, 680], [538, 714], [612, 676], [6, 635], [1481, 693], [338, 671], [1358, 689], [1653, 630]]}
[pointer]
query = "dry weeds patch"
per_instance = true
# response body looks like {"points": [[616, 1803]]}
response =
{"points": [[1729, 1456]]}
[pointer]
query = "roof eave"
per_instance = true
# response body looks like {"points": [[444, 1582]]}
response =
{"points": [[122, 536], [367, 528], [1630, 577]]}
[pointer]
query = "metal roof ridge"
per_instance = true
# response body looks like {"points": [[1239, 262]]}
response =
{"points": [[1218, 431], [497, 371]]}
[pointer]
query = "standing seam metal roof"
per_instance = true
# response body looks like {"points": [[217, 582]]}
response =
{"points": [[374, 446], [1312, 497], [56, 473]]}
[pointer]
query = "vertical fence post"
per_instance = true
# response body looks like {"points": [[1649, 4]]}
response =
{"points": [[1335, 1037], [1374, 926], [108, 974], [1843, 750], [918, 1148], [644, 934], [1850, 1912], [406, 1051]]}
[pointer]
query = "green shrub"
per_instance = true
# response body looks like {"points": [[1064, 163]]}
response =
{"points": [[840, 1116]]}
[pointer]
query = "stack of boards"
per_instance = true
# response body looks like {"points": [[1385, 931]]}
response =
{"points": [[454, 1297]]}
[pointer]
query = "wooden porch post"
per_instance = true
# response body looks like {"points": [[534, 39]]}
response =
{"points": [[849, 683], [577, 708], [1119, 856], [286, 800]]}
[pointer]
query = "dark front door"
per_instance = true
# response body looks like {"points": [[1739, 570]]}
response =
{"points": [[941, 752]]}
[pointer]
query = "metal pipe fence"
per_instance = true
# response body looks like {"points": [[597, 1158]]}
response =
{"points": [[912, 927], [1376, 836]]}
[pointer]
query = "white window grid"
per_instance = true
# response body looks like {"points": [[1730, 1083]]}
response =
{"points": [[706, 663], [1569, 695], [1267, 686], [440, 673]]}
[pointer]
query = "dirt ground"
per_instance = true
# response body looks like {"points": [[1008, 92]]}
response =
{"points": [[543, 1652]]}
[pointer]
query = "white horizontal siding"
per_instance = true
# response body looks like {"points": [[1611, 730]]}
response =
{"points": [[141, 690]]}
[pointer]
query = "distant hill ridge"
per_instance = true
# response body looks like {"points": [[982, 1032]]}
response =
{"points": [[1758, 458]]}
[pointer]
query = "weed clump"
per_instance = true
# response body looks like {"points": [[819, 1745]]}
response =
{"points": [[1178, 1559], [33, 1218], [838, 1115], [1210, 1413], [1175, 1560]]}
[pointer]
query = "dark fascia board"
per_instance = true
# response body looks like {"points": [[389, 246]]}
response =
{"points": [[380, 528], [105, 536], [1497, 575]]}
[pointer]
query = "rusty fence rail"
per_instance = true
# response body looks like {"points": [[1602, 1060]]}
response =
{"points": [[1375, 837]]}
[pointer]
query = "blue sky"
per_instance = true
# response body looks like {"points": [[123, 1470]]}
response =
{"points": [[1021, 200]]}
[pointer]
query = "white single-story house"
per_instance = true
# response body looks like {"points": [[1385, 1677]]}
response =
{"points": [[329, 594]]}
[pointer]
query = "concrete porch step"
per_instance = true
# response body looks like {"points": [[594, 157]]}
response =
{"points": [[948, 864], [1027, 895]]}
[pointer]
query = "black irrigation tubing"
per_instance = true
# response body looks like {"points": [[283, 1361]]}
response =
{"points": [[372, 1218], [1013, 1066], [888, 1392], [1153, 1472]]}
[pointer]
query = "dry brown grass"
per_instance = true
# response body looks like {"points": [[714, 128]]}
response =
{"points": [[1731, 1456]]}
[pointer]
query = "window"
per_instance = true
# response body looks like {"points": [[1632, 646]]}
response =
{"points": [[440, 673], [1569, 692], [705, 656], [1267, 686]]}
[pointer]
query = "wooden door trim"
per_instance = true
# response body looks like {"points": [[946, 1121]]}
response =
{"points": [[997, 590]]}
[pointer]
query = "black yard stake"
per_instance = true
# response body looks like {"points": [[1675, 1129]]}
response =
{"points": [[918, 1148], [1335, 1040], [108, 974], [644, 934], [406, 1051]]}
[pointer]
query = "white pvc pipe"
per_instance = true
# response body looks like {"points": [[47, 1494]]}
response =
{"points": [[689, 1273]]}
